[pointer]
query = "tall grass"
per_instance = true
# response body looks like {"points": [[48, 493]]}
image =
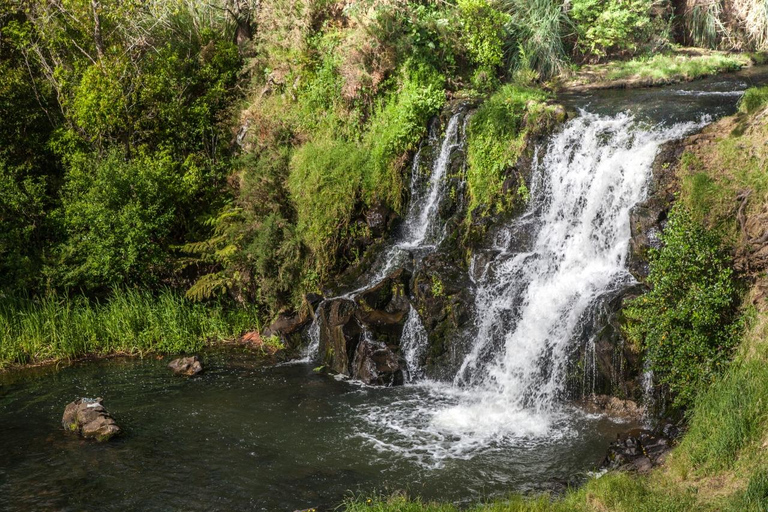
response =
{"points": [[704, 25], [58, 327], [539, 27]]}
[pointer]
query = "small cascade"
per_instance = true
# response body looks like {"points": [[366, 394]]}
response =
{"points": [[413, 344], [422, 229], [420, 233]]}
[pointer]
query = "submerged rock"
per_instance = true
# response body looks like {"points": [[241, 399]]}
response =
{"points": [[88, 418], [186, 366]]}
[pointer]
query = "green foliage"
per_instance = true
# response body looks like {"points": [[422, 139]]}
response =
{"points": [[132, 322], [729, 416], [495, 140], [614, 27], [396, 128], [662, 68], [324, 184], [118, 215], [483, 27], [754, 99], [688, 322]]}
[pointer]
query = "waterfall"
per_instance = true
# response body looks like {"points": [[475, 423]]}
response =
{"points": [[533, 298], [422, 229], [553, 267]]}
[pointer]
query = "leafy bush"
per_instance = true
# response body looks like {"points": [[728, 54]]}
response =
{"points": [[483, 31], [612, 27], [688, 322], [118, 215]]}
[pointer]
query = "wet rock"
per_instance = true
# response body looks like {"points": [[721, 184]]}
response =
{"points": [[339, 334], [378, 219], [638, 450], [88, 418], [443, 295], [376, 364], [360, 338], [289, 326], [186, 366], [613, 407]]}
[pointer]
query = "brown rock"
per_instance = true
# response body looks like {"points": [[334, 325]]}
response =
{"points": [[186, 366], [88, 418], [613, 406]]}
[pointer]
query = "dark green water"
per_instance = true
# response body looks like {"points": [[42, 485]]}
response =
{"points": [[247, 437]]}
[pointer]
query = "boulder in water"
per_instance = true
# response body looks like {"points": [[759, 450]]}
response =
{"points": [[186, 366], [376, 364], [88, 418]]}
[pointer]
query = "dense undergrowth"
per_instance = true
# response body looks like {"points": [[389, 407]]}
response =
{"points": [[234, 150]]}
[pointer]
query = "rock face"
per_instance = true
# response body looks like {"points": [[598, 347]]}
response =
{"points": [[186, 366], [88, 418], [613, 407], [443, 297], [640, 450], [360, 338]]}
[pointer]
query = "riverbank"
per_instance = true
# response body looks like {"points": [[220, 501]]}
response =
{"points": [[680, 65], [50, 329]]}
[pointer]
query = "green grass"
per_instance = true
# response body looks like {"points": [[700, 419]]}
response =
{"points": [[669, 68], [133, 322], [753, 100]]}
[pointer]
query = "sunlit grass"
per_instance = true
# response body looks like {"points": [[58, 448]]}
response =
{"points": [[131, 322], [662, 68]]}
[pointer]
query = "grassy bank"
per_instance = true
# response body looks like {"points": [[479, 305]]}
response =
{"points": [[660, 69], [130, 322]]}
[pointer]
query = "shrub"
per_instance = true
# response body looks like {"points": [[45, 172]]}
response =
{"points": [[688, 321], [324, 184], [397, 126], [483, 31], [611, 27], [118, 215], [495, 140]]}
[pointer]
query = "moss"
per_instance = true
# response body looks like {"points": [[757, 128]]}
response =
{"points": [[497, 136]]}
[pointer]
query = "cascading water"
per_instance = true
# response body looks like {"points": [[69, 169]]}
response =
{"points": [[421, 233], [536, 294]]}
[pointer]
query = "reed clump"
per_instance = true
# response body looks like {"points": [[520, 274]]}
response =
{"points": [[60, 327]]}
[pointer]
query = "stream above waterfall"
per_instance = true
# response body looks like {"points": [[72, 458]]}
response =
{"points": [[244, 436]]}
